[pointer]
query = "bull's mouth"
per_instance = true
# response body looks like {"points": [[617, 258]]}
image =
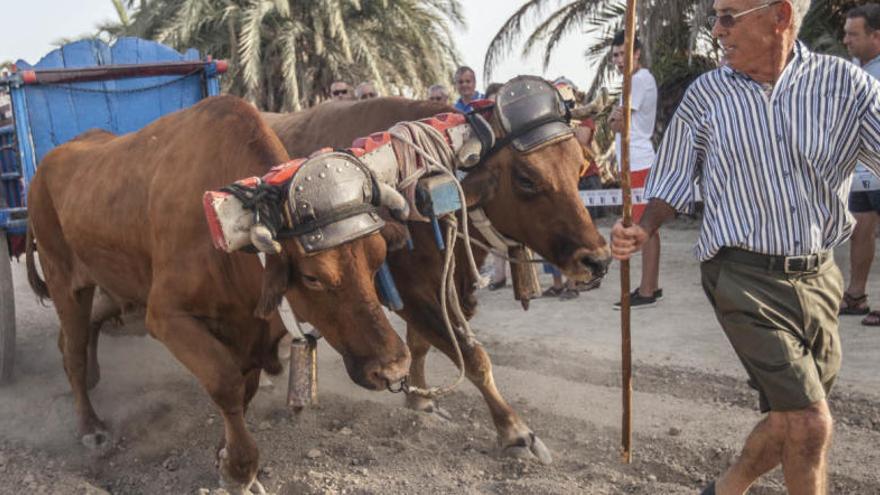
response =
{"points": [[586, 267]]}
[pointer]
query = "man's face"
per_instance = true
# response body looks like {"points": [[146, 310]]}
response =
{"points": [[340, 91], [466, 84], [366, 92], [618, 56], [861, 42], [752, 35], [438, 95]]}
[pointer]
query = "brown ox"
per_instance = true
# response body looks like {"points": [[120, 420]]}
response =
{"points": [[125, 213], [530, 197]]}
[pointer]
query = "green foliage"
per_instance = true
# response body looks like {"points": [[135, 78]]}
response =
{"points": [[284, 54]]}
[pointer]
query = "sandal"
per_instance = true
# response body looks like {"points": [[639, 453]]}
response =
{"points": [[552, 292], [588, 285], [872, 320], [568, 294], [852, 305]]}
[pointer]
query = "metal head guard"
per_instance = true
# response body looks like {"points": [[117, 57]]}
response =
{"points": [[531, 113], [333, 199]]}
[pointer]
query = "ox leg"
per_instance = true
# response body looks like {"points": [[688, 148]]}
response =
{"points": [[514, 436], [73, 308], [217, 370], [103, 309], [418, 348]]}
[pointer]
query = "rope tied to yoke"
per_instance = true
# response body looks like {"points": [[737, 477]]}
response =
{"points": [[421, 149], [264, 201]]}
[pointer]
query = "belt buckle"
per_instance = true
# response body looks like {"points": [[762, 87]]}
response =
{"points": [[801, 264]]}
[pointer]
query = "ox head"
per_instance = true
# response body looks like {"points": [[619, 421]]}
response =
{"points": [[325, 259], [527, 182]]}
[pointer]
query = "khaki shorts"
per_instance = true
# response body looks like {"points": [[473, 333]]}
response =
{"points": [[783, 327]]}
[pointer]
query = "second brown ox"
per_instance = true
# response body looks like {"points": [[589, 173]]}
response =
{"points": [[531, 197]]}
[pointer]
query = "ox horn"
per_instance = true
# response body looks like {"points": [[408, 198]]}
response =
{"points": [[599, 104], [262, 239], [394, 201]]}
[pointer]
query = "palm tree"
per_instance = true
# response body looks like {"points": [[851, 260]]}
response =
{"points": [[284, 54], [676, 41]]}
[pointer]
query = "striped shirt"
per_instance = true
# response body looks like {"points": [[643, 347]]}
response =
{"points": [[773, 169]]}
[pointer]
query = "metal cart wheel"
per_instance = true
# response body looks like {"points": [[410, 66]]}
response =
{"points": [[7, 314]]}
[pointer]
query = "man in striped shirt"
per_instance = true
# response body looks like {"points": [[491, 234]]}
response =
{"points": [[771, 139]]}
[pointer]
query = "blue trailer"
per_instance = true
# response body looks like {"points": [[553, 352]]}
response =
{"points": [[120, 87]]}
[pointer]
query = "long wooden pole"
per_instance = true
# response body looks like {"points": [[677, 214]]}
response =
{"points": [[626, 188]]}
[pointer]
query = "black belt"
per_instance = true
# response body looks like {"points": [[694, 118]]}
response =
{"points": [[775, 263]]}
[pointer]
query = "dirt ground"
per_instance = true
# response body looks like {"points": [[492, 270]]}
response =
{"points": [[557, 364]]}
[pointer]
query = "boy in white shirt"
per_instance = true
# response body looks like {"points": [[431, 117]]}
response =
{"points": [[641, 152]]}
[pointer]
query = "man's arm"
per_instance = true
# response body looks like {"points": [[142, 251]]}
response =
{"points": [[627, 241]]}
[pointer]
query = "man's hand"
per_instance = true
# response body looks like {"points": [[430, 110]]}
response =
{"points": [[627, 241], [615, 120]]}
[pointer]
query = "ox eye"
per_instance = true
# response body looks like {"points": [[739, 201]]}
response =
{"points": [[525, 183], [312, 282]]}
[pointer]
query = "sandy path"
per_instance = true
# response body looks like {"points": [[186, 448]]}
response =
{"points": [[556, 364]]}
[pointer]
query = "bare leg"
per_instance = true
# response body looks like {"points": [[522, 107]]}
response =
{"points": [[861, 252], [804, 459], [650, 266], [797, 439]]}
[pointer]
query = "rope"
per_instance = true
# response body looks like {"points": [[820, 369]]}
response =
{"points": [[450, 294], [418, 140], [431, 145], [489, 249], [80, 89], [264, 200]]}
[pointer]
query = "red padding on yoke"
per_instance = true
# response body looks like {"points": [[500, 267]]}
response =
{"points": [[279, 174]]}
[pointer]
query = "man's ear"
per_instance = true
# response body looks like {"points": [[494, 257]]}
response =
{"points": [[276, 280]]}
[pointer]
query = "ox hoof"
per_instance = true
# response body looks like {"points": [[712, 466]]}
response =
{"points": [[530, 447], [427, 406], [228, 483], [98, 441]]}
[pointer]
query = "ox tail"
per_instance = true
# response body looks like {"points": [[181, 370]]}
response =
{"points": [[37, 284]]}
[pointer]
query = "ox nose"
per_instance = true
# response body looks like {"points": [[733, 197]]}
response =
{"points": [[377, 374], [596, 261]]}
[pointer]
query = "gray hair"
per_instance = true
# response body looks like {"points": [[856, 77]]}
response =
{"points": [[438, 87]]}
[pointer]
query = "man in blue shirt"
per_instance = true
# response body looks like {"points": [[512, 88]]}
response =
{"points": [[771, 141], [862, 39], [466, 85]]}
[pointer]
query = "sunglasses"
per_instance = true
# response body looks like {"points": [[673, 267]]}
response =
{"points": [[340, 92], [367, 96], [729, 20], [437, 98]]}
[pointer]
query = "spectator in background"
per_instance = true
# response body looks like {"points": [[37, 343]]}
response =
{"points": [[438, 93], [340, 90], [365, 91], [862, 40], [641, 152], [466, 85]]}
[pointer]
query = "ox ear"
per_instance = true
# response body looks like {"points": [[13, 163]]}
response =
{"points": [[276, 279], [394, 232], [479, 186]]}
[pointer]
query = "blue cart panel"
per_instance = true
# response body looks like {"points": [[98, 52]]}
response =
{"points": [[89, 84]]}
